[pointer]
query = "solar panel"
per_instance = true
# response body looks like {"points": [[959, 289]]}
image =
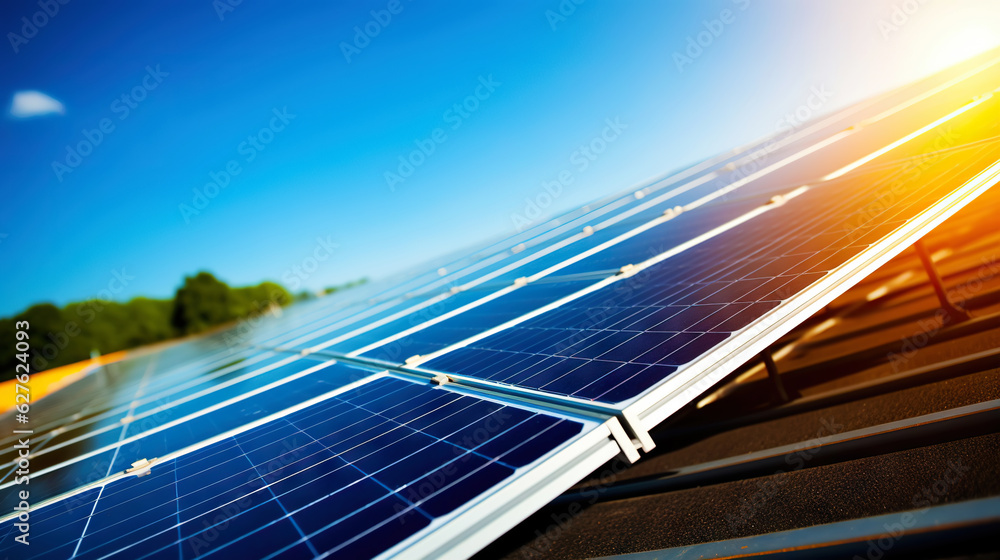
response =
{"points": [[353, 475], [426, 416], [649, 244], [674, 312]]}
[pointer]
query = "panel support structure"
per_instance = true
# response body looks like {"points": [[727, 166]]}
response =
{"points": [[953, 313], [772, 374]]}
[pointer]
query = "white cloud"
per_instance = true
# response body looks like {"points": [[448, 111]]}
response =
{"points": [[28, 104]]}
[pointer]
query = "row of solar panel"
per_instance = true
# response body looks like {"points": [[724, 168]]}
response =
{"points": [[355, 474], [182, 396], [666, 235], [476, 321]]}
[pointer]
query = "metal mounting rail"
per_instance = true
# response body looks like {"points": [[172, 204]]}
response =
{"points": [[938, 528], [931, 373], [919, 431], [634, 437]]}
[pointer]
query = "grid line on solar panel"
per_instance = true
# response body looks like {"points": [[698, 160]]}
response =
{"points": [[451, 312], [129, 421], [55, 478], [62, 431], [756, 176], [117, 378], [695, 324], [955, 114], [872, 169], [594, 343], [926, 128], [907, 103], [327, 323], [887, 248], [772, 144], [121, 436], [532, 283], [676, 250], [506, 288], [705, 200], [805, 132], [484, 262], [617, 200], [421, 410], [287, 514]]}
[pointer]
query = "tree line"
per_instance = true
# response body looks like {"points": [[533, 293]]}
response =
{"points": [[63, 335]]}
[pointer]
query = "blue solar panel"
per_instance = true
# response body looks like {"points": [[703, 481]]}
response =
{"points": [[101, 452], [614, 343], [353, 475], [266, 452], [632, 250], [489, 314]]}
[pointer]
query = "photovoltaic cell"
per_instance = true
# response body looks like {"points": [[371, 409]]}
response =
{"points": [[509, 306], [632, 250], [176, 428], [353, 475], [614, 343], [390, 462], [642, 246], [518, 302]]}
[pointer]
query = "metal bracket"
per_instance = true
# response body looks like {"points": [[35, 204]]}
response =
{"points": [[632, 424], [141, 467], [624, 442], [772, 374], [953, 313], [441, 379]]}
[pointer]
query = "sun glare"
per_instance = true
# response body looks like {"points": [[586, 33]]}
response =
{"points": [[956, 45]]}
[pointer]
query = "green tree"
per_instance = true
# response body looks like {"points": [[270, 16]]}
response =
{"points": [[204, 302], [63, 336], [201, 303]]}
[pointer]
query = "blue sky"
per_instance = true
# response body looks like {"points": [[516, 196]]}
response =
{"points": [[202, 93]]}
